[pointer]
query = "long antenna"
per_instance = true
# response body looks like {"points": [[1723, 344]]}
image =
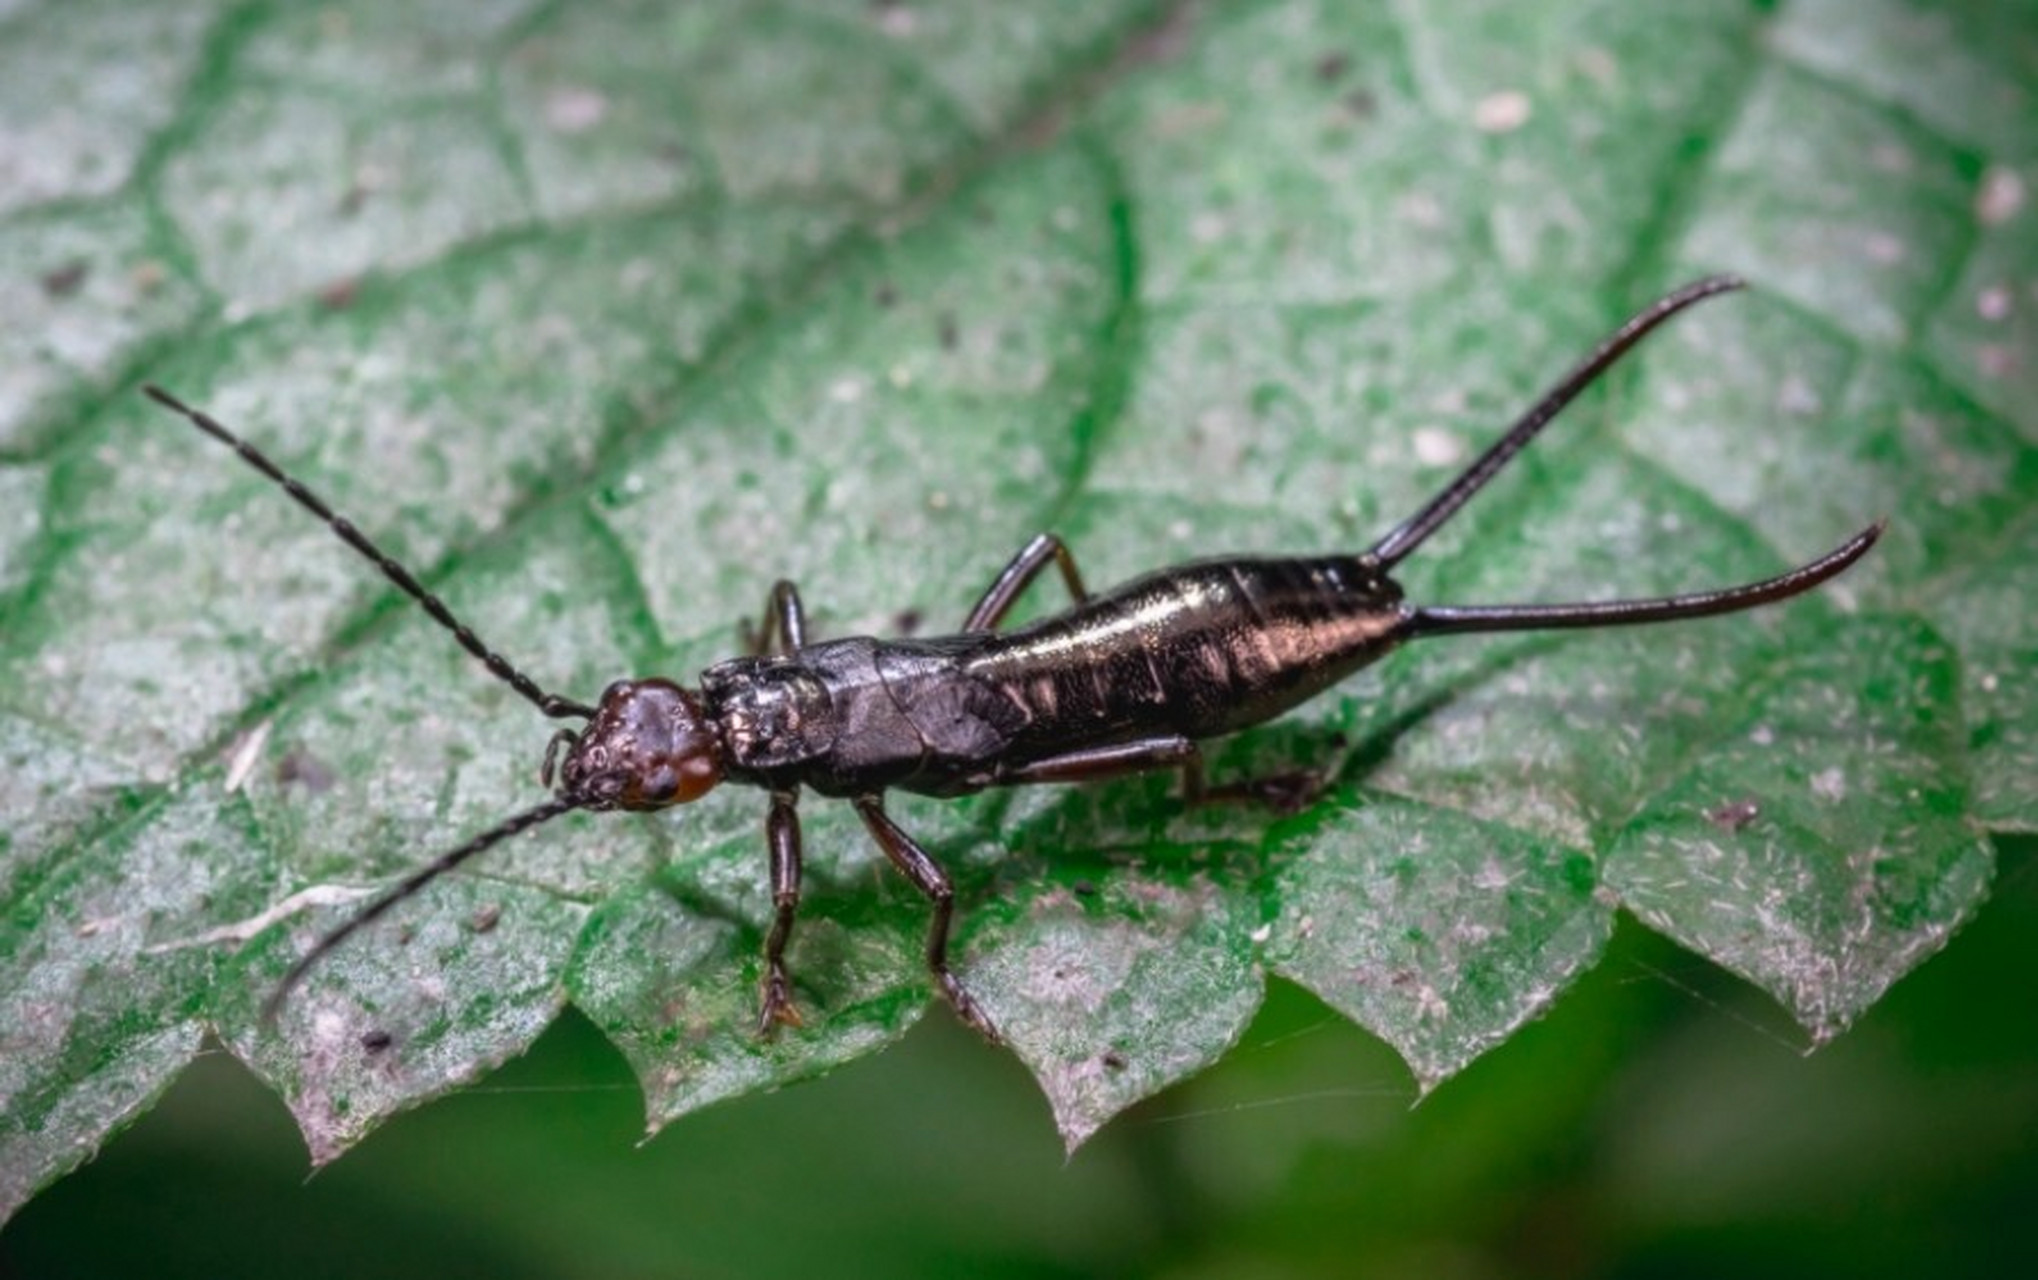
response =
{"points": [[1410, 533], [1622, 613], [498, 666], [409, 885]]}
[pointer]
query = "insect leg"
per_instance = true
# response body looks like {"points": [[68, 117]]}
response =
{"points": [[1282, 792], [1289, 792], [782, 834], [1091, 764], [1019, 575], [783, 628], [928, 877]]}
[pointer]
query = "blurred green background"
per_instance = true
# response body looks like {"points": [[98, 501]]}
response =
{"points": [[1660, 1121]]}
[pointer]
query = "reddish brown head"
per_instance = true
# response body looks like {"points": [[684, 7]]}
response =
{"points": [[648, 746]]}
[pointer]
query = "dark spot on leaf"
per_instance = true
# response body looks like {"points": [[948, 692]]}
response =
{"points": [[886, 295], [1361, 103], [1331, 67], [486, 918], [1084, 888], [340, 294], [305, 769], [1043, 128], [1115, 1060], [66, 280], [908, 621], [1164, 41], [377, 1040], [1732, 815], [945, 326]]}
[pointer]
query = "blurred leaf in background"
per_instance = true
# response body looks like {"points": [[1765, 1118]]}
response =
{"points": [[606, 315]]}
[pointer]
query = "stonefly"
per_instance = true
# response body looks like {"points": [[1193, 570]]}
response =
{"points": [[1123, 682]]}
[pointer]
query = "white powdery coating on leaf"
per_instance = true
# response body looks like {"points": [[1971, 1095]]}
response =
{"points": [[1411, 922], [1502, 112], [2000, 196], [70, 1132], [1106, 1009], [1811, 926], [413, 1008]]}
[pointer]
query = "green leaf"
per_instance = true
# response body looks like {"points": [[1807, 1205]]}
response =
{"points": [[603, 317]]}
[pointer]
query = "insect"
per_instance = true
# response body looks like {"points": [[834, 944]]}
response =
{"points": [[1118, 683]]}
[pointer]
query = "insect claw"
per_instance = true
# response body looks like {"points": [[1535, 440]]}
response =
{"points": [[968, 1009], [1289, 792], [778, 1008]]}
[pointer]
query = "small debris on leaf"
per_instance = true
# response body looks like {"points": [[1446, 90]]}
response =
{"points": [[1733, 815], [67, 279], [306, 769]]}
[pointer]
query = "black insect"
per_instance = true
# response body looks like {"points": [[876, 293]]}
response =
{"points": [[1118, 683]]}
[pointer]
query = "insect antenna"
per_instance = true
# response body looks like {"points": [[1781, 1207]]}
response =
{"points": [[409, 885], [1410, 533], [498, 666]]}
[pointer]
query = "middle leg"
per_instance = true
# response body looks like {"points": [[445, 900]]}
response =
{"points": [[928, 877], [784, 625], [1019, 575]]}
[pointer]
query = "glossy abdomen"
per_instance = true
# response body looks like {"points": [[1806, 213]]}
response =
{"points": [[1201, 650]]}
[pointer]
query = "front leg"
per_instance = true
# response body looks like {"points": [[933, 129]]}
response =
{"points": [[782, 834], [928, 877]]}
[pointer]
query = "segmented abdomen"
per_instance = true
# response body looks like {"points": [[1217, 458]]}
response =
{"points": [[1200, 650]]}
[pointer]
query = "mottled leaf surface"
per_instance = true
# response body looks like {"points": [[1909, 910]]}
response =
{"points": [[605, 315]]}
